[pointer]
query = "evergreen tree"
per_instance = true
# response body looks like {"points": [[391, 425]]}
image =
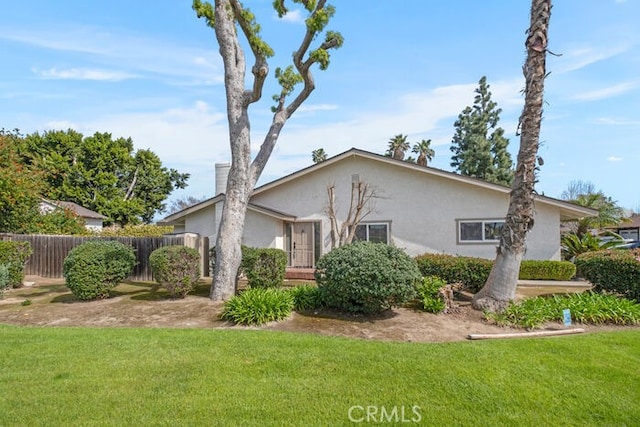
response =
{"points": [[479, 146]]}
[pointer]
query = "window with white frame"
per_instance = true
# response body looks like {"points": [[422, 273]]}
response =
{"points": [[375, 232], [479, 230]]}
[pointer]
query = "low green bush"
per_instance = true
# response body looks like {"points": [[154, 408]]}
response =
{"points": [[429, 294], [306, 297], [547, 270], [92, 269], [366, 277], [616, 271], [264, 267], [587, 308], [258, 306], [471, 272], [15, 255], [4, 279], [176, 268]]}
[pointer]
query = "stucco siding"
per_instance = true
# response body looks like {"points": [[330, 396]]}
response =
{"points": [[262, 231], [421, 210], [201, 222]]}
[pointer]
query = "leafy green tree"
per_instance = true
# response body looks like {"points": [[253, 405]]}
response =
{"points": [[102, 174], [397, 147], [20, 186], [318, 155], [424, 151], [479, 146], [233, 22]]}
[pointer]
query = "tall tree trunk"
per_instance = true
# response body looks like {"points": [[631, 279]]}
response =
{"points": [[501, 284]]}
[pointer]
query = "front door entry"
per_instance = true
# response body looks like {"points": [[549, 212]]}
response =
{"points": [[302, 245]]}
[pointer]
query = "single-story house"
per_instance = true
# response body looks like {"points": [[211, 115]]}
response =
{"points": [[416, 208], [92, 220]]}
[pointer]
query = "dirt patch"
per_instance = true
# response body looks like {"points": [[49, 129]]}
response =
{"points": [[48, 302]]}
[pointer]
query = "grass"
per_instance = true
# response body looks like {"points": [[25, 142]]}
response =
{"points": [[127, 376]]}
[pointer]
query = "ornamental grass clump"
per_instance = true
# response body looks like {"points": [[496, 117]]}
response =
{"points": [[366, 278], [257, 306], [588, 308], [306, 297]]}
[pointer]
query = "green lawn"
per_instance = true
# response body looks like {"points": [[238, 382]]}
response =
{"points": [[106, 376]]}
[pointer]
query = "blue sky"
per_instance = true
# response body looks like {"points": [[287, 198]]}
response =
{"points": [[150, 70]]}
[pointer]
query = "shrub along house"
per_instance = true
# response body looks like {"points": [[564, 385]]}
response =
{"points": [[416, 208]]}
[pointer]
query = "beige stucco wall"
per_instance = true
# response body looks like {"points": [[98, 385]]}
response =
{"points": [[201, 222], [262, 231], [421, 209]]}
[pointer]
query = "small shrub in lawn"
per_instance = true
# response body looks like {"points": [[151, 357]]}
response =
{"points": [[4, 279], [587, 307], [366, 277], [306, 297], [176, 268], [546, 270], [258, 306], [429, 294], [92, 269], [264, 267], [14, 255], [471, 272], [615, 271]]}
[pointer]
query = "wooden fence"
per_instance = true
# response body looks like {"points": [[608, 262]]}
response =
{"points": [[49, 252]]}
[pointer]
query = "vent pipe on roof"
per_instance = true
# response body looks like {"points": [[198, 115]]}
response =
{"points": [[222, 173]]}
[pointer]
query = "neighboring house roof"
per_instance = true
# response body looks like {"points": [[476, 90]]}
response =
{"points": [[632, 222], [212, 201], [567, 210], [76, 208]]}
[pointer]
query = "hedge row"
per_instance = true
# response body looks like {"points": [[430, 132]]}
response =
{"points": [[473, 272], [615, 271]]}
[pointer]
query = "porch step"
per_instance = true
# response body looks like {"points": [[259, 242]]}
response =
{"points": [[299, 274]]}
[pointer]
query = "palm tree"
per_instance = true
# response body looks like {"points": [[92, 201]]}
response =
{"points": [[318, 155], [424, 151], [398, 146], [500, 287]]}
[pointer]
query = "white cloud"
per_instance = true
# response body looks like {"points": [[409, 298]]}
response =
{"points": [[294, 16], [614, 159], [84, 74], [607, 92], [582, 57], [614, 121], [113, 48]]}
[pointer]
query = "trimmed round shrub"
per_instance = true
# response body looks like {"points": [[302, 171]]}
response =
{"points": [[366, 277], [176, 268], [264, 267], [258, 306], [471, 272], [92, 269], [306, 297], [14, 255], [546, 270], [615, 271]]}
